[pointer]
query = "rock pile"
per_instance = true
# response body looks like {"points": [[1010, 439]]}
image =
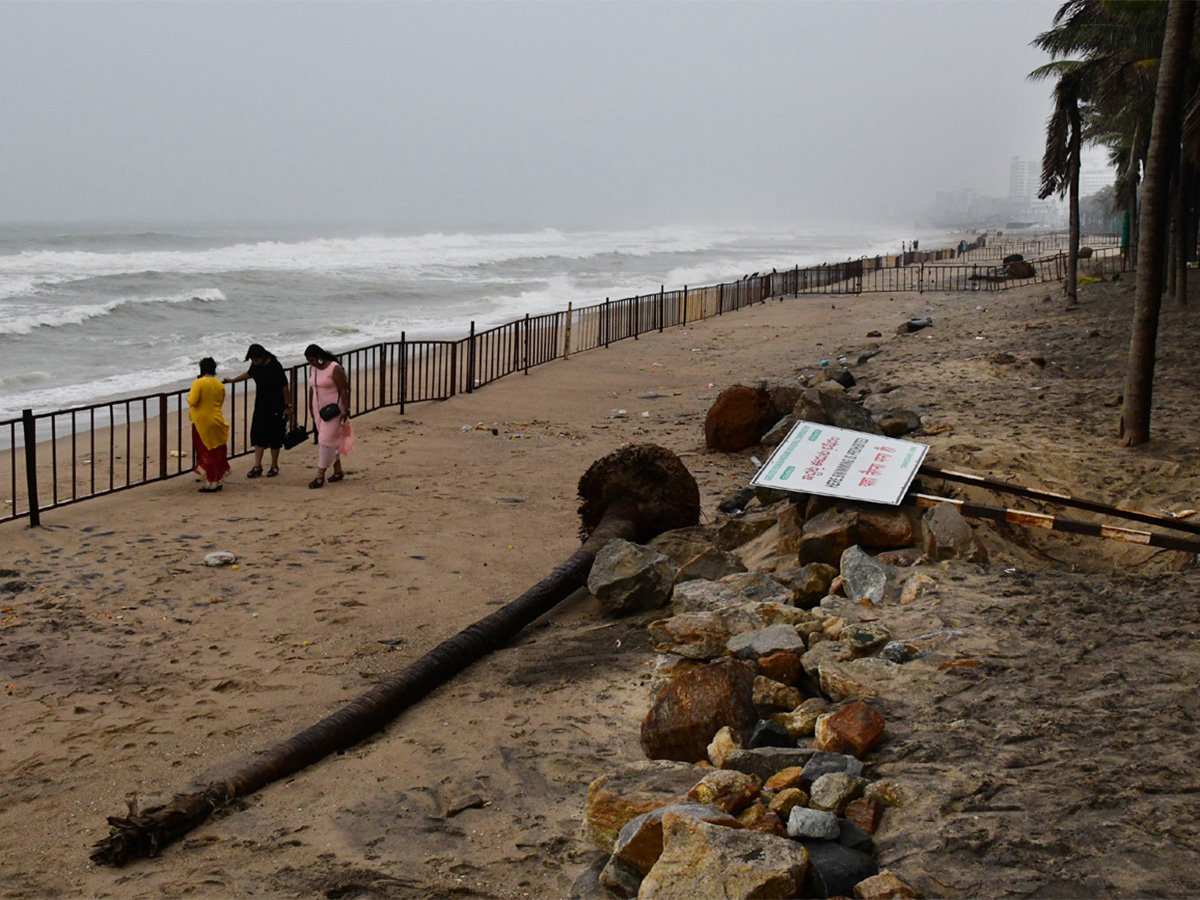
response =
{"points": [[761, 723]]}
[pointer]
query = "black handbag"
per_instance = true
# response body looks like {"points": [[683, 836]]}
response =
{"points": [[330, 411], [295, 437]]}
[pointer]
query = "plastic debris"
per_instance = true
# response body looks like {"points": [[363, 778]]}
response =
{"points": [[220, 558]]}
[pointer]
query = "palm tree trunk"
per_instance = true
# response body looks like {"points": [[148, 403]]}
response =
{"points": [[1072, 285], [1164, 143], [1174, 238], [1180, 243]]}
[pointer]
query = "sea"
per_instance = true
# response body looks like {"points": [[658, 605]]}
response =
{"points": [[101, 312]]}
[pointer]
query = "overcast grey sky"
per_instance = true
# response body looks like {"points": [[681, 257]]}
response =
{"points": [[546, 113]]}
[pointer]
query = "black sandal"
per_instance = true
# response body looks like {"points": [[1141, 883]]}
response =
{"points": [[316, 482], [337, 476], [273, 471], [254, 472]]}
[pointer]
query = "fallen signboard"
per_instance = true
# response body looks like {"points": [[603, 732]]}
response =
{"points": [[837, 462]]}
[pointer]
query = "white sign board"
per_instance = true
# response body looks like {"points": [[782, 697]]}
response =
{"points": [[835, 462]]}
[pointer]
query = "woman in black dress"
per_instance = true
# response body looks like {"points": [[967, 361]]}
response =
{"points": [[272, 407]]}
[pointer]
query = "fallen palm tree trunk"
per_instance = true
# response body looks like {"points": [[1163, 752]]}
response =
{"points": [[1056, 523], [1017, 490], [634, 493]]}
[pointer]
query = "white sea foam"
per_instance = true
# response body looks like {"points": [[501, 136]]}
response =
{"points": [[55, 317]]}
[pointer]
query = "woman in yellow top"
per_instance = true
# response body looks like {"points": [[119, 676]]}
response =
{"points": [[210, 431]]}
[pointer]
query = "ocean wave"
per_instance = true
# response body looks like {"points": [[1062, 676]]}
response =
{"points": [[77, 315], [435, 254]]}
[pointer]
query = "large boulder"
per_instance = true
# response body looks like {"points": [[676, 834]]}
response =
{"points": [[694, 707], [629, 577], [702, 860], [739, 418], [623, 794]]}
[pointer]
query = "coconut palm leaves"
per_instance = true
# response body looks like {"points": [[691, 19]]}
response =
{"points": [[1109, 62]]}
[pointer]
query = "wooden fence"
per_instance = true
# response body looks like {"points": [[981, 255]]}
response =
{"points": [[53, 459]]}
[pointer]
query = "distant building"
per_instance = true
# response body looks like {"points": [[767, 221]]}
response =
{"points": [[1093, 180], [965, 209], [1024, 180]]}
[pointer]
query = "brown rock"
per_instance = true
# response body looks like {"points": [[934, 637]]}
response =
{"points": [[884, 529], [826, 537], [884, 886], [726, 789], [865, 812], [887, 791], [809, 583], [782, 667], [724, 742], [802, 721], [760, 817], [853, 729], [702, 860], [640, 842], [784, 779], [770, 694], [693, 707], [786, 800], [839, 682], [739, 418], [616, 797]]}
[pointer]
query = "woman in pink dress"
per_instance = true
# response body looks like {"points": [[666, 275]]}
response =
{"points": [[328, 386]]}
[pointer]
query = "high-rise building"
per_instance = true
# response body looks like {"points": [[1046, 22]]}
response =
{"points": [[1024, 179], [1094, 179]]}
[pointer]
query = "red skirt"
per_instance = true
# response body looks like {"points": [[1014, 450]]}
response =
{"points": [[212, 463]]}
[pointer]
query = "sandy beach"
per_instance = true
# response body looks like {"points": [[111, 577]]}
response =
{"points": [[132, 670]]}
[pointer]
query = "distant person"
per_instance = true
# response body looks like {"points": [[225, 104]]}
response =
{"points": [[272, 407], [329, 400], [210, 431]]}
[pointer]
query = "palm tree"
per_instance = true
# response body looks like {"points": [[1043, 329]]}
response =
{"points": [[1102, 96], [1162, 156], [1060, 163]]}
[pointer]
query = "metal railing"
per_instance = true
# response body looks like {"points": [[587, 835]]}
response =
{"points": [[57, 458]]}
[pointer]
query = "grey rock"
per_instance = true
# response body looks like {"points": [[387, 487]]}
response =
{"points": [[711, 565], [834, 870], [822, 762], [864, 576], [765, 641], [949, 536], [774, 437], [620, 879], [766, 761], [736, 500], [629, 577], [587, 884], [813, 824], [854, 837]]}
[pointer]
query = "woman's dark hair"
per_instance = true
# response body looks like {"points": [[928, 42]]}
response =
{"points": [[258, 351], [208, 366], [312, 351]]}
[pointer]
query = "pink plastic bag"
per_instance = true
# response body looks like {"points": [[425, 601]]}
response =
{"points": [[347, 444]]}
